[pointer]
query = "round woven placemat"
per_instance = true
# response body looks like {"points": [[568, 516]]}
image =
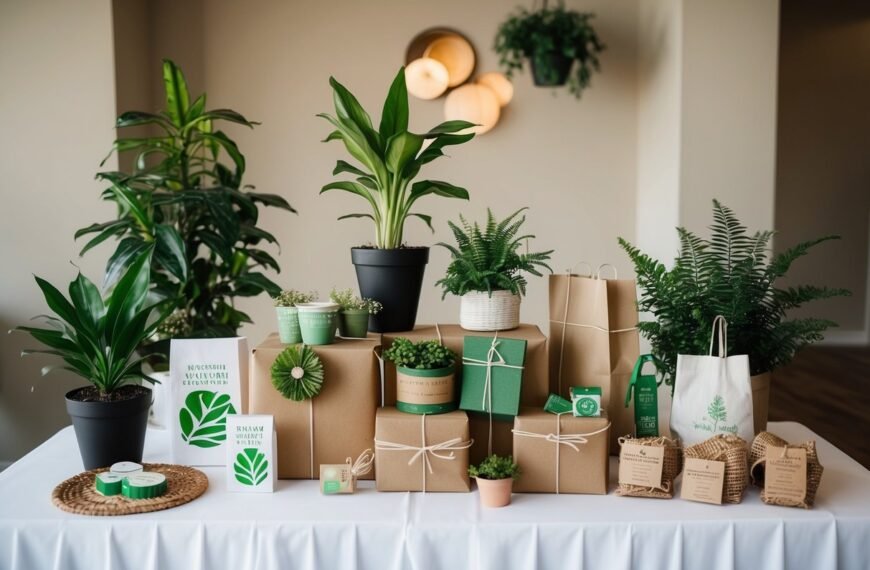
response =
{"points": [[78, 495]]}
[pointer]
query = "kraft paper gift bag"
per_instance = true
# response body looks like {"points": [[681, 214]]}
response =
{"points": [[594, 341], [712, 394], [208, 381]]}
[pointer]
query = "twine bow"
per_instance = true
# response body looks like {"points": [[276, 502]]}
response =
{"points": [[571, 440], [362, 465], [493, 358], [444, 450]]}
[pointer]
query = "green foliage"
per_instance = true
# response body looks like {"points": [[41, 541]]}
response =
{"points": [[291, 298], [203, 419], [730, 274], [348, 301], [716, 410], [251, 467], [183, 198], [495, 468], [549, 33], [97, 337], [423, 355], [391, 157], [297, 373], [487, 259]]}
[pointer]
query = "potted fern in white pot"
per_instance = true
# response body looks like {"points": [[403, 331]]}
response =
{"points": [[487, 271]]}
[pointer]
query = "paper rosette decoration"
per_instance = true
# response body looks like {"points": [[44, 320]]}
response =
{"points": [[298, 373]]}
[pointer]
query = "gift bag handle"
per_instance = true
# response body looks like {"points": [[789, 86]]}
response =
{"points": [[605, 265], [635, 374], [571, 270], [720, 325]]}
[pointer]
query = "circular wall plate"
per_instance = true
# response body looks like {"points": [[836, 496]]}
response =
{"points": [[450, 47]]}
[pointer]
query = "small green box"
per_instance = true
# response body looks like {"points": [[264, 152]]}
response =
{"points": [[586, 400], [505, 359], [556, 404]]}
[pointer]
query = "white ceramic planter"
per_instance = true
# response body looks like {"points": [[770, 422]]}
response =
{"points": [[481, 312]]}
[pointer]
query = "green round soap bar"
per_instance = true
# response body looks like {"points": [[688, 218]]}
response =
{"points": [[108, 484], [125, 468], [146, 485]]}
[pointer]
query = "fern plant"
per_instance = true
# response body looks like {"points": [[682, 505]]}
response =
{"points": [[488, 260], [731, 274]]}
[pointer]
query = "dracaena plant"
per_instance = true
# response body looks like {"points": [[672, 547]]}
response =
{"points": [[390, 158], [488, 259], [184, 196], [730, 274], [97, 337]]}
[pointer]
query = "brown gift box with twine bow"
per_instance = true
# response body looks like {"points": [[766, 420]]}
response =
{"points": [[337, 423], [560, 453], [594, 341], [422, 452]]}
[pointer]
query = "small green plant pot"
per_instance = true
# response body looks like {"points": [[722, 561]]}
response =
{"points": [[288, 325], [353, 323], [425, 391], [317, 322]]}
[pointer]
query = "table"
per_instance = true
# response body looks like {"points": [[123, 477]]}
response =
{"points": [[296, 527]]}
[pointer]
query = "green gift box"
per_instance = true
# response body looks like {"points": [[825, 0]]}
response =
{"points": [[492, 375]]}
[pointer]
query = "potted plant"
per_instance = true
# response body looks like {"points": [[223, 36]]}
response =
{"points": [[288, 314], [390, 157], [353, 316], [552, 39], [495, 480], [730, 274], [317, 322], [486, 271], [425, 376], [184, 194], [97, 338]]}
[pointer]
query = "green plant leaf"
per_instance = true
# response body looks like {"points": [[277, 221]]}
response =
{"points": [[348, 109], [251, 467], [128, 250], [169, 251], [128, 294], [229, 146], [88, 303], [231, 116], [394, 117], [426, 219], [449, 127], [203, 418], [348, 216], [177, 96], [196, 109], [437, 187], [401, 148], [272, 200]]}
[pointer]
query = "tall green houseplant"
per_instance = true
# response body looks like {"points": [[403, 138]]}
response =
{"points": [[730, 274], [185, 197], [389, 159]]}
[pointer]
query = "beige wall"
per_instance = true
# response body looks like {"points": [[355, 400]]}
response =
{"points": [[823, 172], [56, 110]]}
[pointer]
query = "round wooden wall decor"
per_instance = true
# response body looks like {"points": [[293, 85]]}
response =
{"points": [[447, 46]]}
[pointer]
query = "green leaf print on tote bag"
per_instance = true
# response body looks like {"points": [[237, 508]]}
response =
{"points": [[203, 418], [712, 394], [251, 467]]}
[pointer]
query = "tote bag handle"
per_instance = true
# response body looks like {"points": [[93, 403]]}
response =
{"points": [[720, 325]]}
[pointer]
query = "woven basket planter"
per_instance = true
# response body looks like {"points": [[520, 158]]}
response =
{"points": [[481, 312]]}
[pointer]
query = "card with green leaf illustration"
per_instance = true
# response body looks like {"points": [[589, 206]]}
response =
{"points": [[251, 453], [207, 385]]}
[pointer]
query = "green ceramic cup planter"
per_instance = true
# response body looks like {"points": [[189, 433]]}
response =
{"points": [[353, 323], [288, 325], [421, 391], [317, 322]]}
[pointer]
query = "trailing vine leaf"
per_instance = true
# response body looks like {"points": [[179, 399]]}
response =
{"points": [[251, 467], [203, 418], [297, 373]]}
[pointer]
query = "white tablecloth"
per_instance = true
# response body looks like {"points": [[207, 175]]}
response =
{"points": [[296, 527]]}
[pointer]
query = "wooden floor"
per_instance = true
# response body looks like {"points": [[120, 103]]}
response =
{"points": [[828, 390]]}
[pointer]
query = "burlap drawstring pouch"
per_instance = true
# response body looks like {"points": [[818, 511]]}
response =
{"points": [[672, 465], [730, 450], [757, 453]]}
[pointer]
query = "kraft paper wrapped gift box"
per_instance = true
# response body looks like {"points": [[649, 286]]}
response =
{"points": [[536, 379], [421, 452], [337, 423], [561, 453]]}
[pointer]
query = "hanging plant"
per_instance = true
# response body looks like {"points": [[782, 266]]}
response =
{"points": [[552, 39], [298, 373]]}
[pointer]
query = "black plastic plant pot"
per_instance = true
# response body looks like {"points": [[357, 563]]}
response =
{"points": [[393, 277], [550, 69], [109, 432]]}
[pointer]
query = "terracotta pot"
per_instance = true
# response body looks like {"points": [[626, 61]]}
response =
{"points": [[760, 400], [495, 493]]}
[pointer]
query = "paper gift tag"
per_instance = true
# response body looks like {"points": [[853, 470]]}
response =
{"points": [[251, 453], [703, 480], [641, 465], [205, 379], [336, 479], [785, 473]]}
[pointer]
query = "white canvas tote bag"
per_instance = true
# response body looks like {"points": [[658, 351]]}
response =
{"points": [[712, 394]]}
